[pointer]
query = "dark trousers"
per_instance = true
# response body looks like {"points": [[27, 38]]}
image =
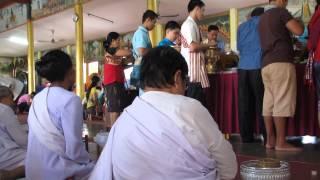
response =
{"points": [[196, 91], [250, 93], [316, 75]]}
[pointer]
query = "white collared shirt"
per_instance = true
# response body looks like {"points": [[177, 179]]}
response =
{"points": [[197, 125], [195, 60], [190, 31]]}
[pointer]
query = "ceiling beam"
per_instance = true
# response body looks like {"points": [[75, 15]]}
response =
{"points": [[5, 3]]}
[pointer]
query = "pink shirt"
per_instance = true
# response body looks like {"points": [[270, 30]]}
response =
{"points": [[24, 99]]}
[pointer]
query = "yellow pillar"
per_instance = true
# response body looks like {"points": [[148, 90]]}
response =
{"points": [[31, 75], [79, 48], [156, 35], [233, 28]]}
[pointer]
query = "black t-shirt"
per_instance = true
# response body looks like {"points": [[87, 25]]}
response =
{"points": [[276, 42]]}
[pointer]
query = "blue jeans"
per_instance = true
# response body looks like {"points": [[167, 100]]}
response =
{"points": [[135, 76]]}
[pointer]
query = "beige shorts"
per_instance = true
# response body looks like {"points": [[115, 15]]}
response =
{"points": [[280, 93]]}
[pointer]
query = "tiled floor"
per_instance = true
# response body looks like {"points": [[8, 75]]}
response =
{"points": [[310, 153], [302, 164]]}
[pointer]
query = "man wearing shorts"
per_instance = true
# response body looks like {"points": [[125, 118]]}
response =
{"points": [[278, 72]]}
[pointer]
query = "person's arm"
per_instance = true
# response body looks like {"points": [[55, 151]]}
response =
{"points": [[143, 51], [123, 53], [239, 45], [189, 33], [295, 27], [238, 40], [112, 60], [127, 54], [15, 130], [72, 122], [200, 47], [292, 24], [219, 148], [128, 60]]}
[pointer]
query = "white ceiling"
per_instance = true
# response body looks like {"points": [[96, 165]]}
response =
{"points": [[126, 15]]}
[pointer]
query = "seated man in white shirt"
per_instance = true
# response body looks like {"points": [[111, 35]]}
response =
{"points": [[163, 134], [13, 138]]}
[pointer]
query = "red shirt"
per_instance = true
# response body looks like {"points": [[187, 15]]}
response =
{"points": [[113, 73], [314, 35]]}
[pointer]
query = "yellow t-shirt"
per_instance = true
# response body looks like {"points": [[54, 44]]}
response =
{"points": [[91, 102]]}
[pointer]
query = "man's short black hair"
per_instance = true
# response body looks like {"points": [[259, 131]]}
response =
{"points": [[258, 11], [159, 66], [195, 3], [213, 28], [171, 25], [149, 14]]}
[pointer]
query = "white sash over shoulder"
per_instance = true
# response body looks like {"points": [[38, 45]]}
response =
{"points": [[42, 126], [154, 149]]}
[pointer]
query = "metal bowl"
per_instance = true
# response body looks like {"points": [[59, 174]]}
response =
{"points": [[266, 169]]}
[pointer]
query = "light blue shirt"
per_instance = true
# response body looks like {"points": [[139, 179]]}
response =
{"points": [[248, 43], [220, 45], [303, 37], [140, 39]]}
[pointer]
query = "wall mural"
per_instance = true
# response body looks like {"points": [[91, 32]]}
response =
{"points": [[222, 21], [299, 8], [42, 8], [16, 14], [15, 67], [93, 50], [12, 16]]}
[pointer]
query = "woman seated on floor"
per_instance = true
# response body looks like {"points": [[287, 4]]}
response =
{"points": [[163, 134], [55, 147], [13, 138]]}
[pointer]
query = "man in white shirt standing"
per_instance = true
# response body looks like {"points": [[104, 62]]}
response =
{"points": [[163, 134], [192, 51]]}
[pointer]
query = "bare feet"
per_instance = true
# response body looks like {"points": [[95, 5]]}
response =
{"points": [[271, 142], [287, 147], [269, 146]]}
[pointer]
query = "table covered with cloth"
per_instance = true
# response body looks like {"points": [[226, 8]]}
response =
{"points": [[222, 103]]}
